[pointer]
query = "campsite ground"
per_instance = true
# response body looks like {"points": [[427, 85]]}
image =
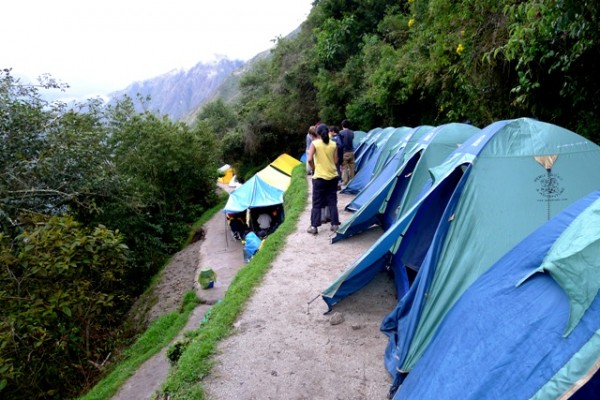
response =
{"points": [[283, 345]]}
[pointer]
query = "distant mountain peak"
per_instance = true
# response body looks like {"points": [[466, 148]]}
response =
{"points": [[179, 91]]}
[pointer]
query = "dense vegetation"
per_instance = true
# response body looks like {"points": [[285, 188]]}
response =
{"points": [[413, 62], [94, 198], [92, 202]]}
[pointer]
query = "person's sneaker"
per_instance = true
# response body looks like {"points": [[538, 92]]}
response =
{"points": [[312, 230], [334, 228]]}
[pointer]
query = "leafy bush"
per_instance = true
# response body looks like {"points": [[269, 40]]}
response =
{"points": [[175, 350], [61, 295]]}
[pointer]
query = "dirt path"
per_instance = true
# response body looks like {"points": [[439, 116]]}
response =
{"points": [[283, 347]]}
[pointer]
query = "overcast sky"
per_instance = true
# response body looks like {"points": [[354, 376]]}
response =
{"points": [[101, 46]]}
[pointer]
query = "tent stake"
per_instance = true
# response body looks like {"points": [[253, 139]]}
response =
{"points": [[308, 304]]}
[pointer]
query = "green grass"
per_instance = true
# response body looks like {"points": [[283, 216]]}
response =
{"points": [[184, 381], [156, 337]]}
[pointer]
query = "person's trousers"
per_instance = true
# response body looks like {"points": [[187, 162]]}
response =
{"points": [[347, 167], [324, 194]]}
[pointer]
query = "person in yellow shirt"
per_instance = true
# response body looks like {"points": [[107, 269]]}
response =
{"points": [[323, 157]]}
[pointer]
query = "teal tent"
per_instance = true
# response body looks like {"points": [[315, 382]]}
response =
{"points": [[493, 191], [397, 186], [506, 180], [386, 143], [529, 327], [497, 188]]}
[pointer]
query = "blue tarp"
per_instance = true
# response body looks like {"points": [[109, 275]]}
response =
{"points": [[251, 246], [511, 334]]}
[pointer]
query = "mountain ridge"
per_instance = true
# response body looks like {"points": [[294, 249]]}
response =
{"points": [[178, 92]]}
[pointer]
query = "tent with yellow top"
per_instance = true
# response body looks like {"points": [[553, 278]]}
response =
{"points": [[263, 193]]}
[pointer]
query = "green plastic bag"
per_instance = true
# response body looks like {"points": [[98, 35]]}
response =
{"points": [[207, 278]]}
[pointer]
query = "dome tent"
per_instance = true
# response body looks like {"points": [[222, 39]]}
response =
{"points": [[537, 311], [493, 191]]}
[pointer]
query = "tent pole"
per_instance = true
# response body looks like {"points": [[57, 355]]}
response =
{"points": [[226, 240]]}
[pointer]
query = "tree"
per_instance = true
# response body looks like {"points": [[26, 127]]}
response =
{"points": [[169, 173], [51, 158], [92, 202], [218, 116]]}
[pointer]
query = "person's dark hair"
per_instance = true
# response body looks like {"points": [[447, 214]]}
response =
{"points": [[323, 132], [345, 124], [334, 129]]}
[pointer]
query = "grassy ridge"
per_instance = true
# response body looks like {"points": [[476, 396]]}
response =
{"points": [[156, 337]]}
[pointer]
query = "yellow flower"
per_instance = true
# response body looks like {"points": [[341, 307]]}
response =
{"points": [[460, 49], [411, 22]]}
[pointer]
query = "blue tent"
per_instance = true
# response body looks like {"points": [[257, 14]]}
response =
{"points": [[265, 188], [529, 328], [365, 148], [359, 137], [253, 193], [385, 145], [390, 168], [397, 186], [491, 193]]}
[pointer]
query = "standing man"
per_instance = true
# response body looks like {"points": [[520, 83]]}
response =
{"points": [[347, 136]]}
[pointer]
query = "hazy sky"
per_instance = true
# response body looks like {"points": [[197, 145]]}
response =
{"points": [[104, 45]]}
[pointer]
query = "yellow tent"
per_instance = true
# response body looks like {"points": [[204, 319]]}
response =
{"points": [[227, 173], [285, 163], [279, 173]]}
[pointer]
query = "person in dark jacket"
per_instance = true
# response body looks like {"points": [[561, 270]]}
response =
{"points": [[334, 134], [347, 136]]}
